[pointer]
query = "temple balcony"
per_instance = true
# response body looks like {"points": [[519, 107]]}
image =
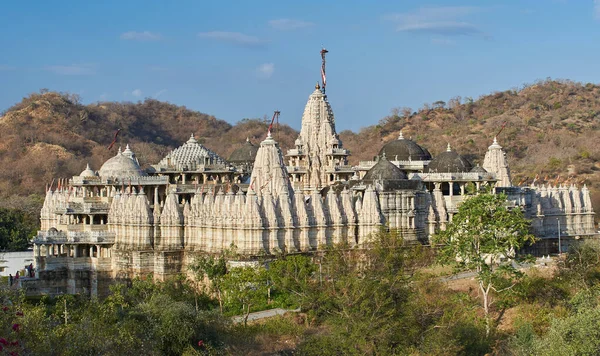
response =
{"points": [[71, 237], [447, 177], [151, 180], [86, 228]]}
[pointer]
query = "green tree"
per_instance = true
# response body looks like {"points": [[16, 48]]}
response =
{"points": [[362, 296], [215, 270], [483, 237], [245, 287], [293, 275], [16, 229], [577, 334], [582, 264]]}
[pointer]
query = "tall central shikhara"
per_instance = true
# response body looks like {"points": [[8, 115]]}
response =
{"points": [[318, 160]]}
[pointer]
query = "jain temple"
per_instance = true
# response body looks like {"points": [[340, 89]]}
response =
{"points": [[121, 221]]}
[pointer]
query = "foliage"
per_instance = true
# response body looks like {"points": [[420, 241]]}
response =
{"points": [[146, 318], [292, 276], [16, 229], [377, 300], [578, 334], [483, 232], [214, 269], [365, 300], [245, 288], [582, 264]]}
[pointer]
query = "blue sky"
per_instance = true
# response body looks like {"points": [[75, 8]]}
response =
{"points": [[239, 59]]}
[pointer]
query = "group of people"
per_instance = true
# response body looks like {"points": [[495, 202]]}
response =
{"points": [[30, 272]]}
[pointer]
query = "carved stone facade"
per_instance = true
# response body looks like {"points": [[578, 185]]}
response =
{"points": [[124, 221], [318, 158]]}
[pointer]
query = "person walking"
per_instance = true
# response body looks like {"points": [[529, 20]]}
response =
{"points": [[31, 270], [10, 279]]}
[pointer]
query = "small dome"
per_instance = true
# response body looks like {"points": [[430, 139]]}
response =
{"points": [[478, 169], [189, 157], [244, 154], [403, 149], [384, 170], [87, 172], [449, 162], [121, 166]]}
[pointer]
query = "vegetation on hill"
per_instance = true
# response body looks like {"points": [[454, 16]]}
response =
{"points": [[551, 129]]}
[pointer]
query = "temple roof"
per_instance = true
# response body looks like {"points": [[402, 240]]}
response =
{"points": [[449, 162], [189, 156], [478, 169], [244, 154], [402, 149], [121, 166], [384, 170]]}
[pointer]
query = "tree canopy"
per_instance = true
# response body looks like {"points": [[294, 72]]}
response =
{"points": [[16, 229], [484, 237]]}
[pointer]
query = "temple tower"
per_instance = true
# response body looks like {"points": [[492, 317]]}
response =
{"points": [[495, 162], [318, 159]]}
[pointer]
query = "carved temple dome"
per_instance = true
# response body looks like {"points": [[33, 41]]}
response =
{"points": [[189, 156], [449, 162], [384, 170], [244, 154], [403, 149], [121, 166]]}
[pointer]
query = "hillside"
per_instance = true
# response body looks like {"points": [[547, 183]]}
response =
{"points": [[551, 129], [52, 135]]}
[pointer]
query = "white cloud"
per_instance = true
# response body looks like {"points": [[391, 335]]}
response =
{"points": [[141, 36], [265, 70], [597, 9], [74, 69], [289, 24], [439, 20], [233, 37], [137, 93]]}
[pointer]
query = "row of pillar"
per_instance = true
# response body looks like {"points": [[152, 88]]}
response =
{"points": [[68, 250]]}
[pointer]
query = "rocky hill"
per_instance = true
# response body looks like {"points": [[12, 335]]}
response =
{"points": [[551, 129]]}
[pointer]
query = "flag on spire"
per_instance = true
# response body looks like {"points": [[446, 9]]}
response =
{"points": [[275, 114], [114, 139], [323, 76]]}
